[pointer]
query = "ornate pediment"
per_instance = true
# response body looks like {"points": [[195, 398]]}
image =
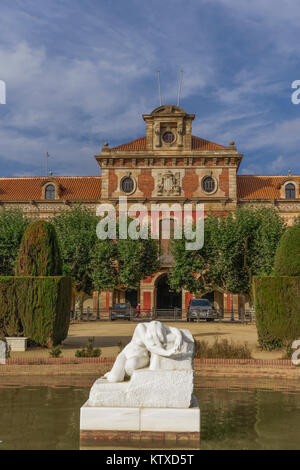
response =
{"points": [[168, 109]]}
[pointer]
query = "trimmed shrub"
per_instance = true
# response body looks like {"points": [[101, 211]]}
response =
{"points": [[89, 351], [10, 323], [39, 253], [56, 351], [287, 257], [277, 306], [221, 349], [36, 307]]}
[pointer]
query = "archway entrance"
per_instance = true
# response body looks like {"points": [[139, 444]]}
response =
{"points": [[209, 296], [131, 297], [166, 298]]}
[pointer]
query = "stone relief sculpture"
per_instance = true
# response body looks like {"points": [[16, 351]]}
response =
{"points": [[157, 142], [180, 133], [168, 184]]}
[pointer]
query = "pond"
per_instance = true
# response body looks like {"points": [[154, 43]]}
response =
{"points": [[47, 417]]}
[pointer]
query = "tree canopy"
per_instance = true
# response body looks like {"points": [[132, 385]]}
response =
{"points": [[123, 263], [76, 232], [12, 227], [101, 264], [236, 247]]}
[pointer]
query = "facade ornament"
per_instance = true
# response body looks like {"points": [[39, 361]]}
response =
{"points": [[180, 133], [168, 184], [157, 140]]}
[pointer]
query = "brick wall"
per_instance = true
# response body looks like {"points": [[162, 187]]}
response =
{"points": [[146, 182], [224, 181], [112, 182], [190, 182]]}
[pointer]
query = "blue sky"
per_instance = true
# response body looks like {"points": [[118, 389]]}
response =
{"points": [[79, 73]]}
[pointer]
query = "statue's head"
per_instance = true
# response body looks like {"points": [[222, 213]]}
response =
{"points": [[156, 332]]}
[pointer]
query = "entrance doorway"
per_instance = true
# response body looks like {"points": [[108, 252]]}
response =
{"points": [[131, 297], [166, 298], [209, 296]]}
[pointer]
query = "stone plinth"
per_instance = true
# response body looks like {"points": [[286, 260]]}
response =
{"points": [[17, 343], [146, 388], [98, 423], [157, 402]]}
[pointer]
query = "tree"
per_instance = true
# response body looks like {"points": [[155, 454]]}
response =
{"points": [[12, 227], [123, 263], [39, 253], [36, 302], [235, 248], [76, 232]]}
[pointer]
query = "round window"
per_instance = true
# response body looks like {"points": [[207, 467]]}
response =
{"points": [[208, 184], [168, 137], [127, 184]]}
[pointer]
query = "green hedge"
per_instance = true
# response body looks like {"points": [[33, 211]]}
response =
{"points": [[277, 306], [287, 257], [36, 307]]}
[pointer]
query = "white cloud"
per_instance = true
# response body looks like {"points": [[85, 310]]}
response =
{"points": [[78, 76]]}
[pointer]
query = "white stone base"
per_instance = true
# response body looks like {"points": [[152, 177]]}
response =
{"points": [[96, 418], [146, 389], [17, 343]]}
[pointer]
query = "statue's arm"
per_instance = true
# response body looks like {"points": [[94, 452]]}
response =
{"points": [[178, 338], [159, 350]]}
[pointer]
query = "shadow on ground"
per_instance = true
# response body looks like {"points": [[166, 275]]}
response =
{"points": [[99, 341]]}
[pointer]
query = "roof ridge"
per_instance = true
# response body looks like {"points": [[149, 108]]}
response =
{"points": [[46, 177], [208, 141], [129, 142], [133, 144], [272, 176]]}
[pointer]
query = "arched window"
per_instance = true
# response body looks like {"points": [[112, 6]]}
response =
{"points": [[290, 192], [50, 192]]}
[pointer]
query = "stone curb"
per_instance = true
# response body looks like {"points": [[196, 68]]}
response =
{"points": [[276, 363]]}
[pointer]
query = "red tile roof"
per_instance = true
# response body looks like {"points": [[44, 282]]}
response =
{"points": [[71, 187], [260, 187], [197, 144], [202, 144], [138, 144], [89, 187]]}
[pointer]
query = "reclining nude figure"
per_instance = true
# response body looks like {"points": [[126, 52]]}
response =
{"points": [[153, 338]]}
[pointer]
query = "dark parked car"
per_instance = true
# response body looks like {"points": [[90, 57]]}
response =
{"points": [[201, 309], [120, 312]]}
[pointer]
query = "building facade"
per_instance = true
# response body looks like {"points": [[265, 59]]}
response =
{"points": [[168, 165]]}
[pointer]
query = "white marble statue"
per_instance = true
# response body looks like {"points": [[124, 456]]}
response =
{"points": [[159, 362], [152, 338], [149, 388]]}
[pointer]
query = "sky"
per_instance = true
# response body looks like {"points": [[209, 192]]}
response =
{"points": [[79, 73]]}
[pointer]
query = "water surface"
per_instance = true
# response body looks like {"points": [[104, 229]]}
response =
{"points": [[47, 417]]}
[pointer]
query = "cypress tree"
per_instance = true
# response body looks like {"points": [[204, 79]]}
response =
{"points": [[39, 253]]}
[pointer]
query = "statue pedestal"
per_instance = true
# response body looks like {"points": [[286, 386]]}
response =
{"points": [[157, 404], [134, 425]]}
